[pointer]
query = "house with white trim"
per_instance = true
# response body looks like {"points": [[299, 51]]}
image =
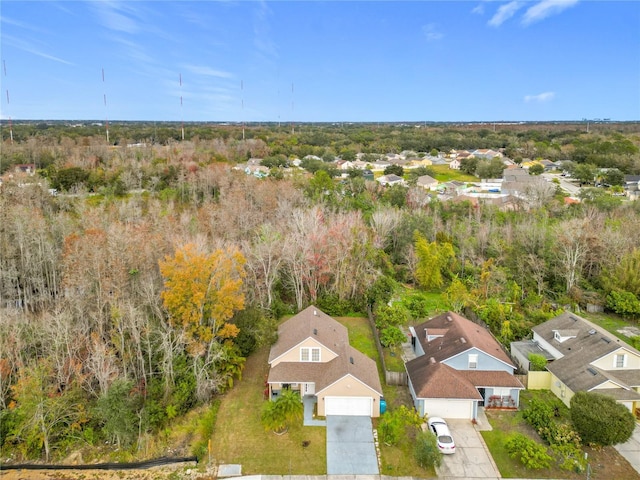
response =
{"points": [[312, 355], [459, 367]]}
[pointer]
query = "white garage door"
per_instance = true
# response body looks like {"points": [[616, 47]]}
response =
{"points": [[449, 408], [348, 406]]}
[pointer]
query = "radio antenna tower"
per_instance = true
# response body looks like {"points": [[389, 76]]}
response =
{"points": [[181, 111], [293, 125], [242, 101], [4, 66], [106, 113]]}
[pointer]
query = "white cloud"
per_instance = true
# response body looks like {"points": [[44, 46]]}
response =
{"points": [[30, 48], [116, 16], [545, 9], [207, 71], [505, 12], [478, 9], [431, 33], [540, 98]]}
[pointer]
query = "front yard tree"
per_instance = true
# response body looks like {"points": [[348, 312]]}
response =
{"points": [[600, 420], [280, 414]]}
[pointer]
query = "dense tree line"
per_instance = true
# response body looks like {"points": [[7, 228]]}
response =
{"points": [[123, 309]]}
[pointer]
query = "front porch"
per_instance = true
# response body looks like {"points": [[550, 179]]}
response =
{"points": [[506, 402], [309, 402]]}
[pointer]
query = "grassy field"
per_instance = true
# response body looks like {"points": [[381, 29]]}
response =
{"points": [[445, 174]]}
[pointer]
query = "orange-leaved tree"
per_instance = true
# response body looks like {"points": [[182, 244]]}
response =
{"points": [[202, 291]]}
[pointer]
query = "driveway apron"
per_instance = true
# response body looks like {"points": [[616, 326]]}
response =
{"points": [[631, 449], [472, 458], [350, 446]]}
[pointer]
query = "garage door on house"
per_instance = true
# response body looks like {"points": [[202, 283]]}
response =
{"points": [[449, 408], [348, 406]]}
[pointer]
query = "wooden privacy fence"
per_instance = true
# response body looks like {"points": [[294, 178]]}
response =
{"points": [[391, 378]]}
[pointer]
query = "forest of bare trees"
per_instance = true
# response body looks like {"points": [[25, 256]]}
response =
{"points": [[137, 293]]}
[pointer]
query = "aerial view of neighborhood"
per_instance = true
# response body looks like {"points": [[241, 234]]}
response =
{"points": [[344, 299], [311, 240]]}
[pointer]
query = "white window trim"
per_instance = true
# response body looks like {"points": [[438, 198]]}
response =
{"points": [[624, 360], [473, 361], [310, 351]]}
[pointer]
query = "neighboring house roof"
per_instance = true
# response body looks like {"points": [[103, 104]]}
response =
{"points": [[438, 380], [460, 335], [315, 324], [587, 343], [390, 179], [426, 181]]}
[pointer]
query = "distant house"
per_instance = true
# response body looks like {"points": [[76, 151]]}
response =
{"points": [[312, 355], [459, 367], [427, 182], [379, 165], [548, 165], [486, 153], [517, 181], [583, 357], [455, 164], [391, 179]]}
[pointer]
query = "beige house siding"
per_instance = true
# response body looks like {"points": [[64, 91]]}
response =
{"points": [[348, 386], [607, 384], [539, 380], [608, 361], [561, 391], [293, 355]]}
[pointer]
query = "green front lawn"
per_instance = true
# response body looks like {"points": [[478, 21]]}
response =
{"points": [[239, 436]]}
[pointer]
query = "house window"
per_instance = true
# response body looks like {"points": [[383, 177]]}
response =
{"points": [[308, 354], [620, 361], [473, 360]]}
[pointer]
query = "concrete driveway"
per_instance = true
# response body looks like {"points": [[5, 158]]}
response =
{"points": [[350, 446], [472, 458], [631, 449]]}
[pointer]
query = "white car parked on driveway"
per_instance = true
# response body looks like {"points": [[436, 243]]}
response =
{"points": [[440, 429]]}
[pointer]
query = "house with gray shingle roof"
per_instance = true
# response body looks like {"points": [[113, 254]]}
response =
{"points": [[584, 357], [312, 355], [459, 367]]}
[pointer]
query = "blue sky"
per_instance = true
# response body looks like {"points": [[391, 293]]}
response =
{"points": [[321, 61]]}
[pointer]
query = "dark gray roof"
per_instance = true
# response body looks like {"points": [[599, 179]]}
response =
{"points": [[590, 343], [529, 346]]}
